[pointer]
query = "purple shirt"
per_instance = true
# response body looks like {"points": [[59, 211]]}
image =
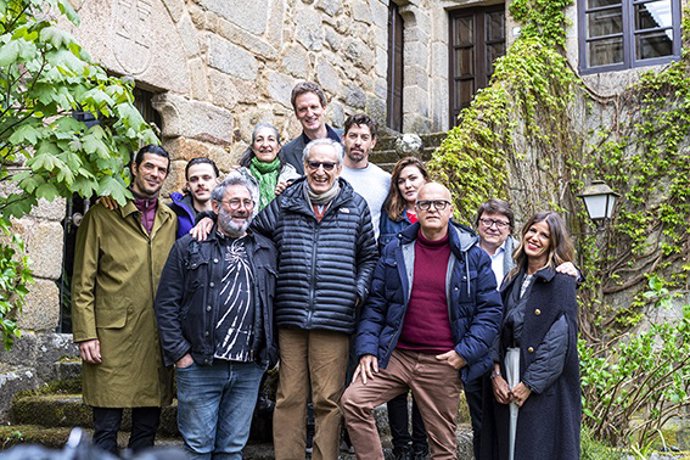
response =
{"points": [[147, 208]]}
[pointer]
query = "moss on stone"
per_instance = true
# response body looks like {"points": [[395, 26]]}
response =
{"points": [[33, 434]]}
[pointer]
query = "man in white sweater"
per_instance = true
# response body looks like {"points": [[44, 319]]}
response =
{"points": [[366, 178]]}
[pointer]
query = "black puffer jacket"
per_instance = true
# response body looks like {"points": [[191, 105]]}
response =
{"points": [[325, 267]]}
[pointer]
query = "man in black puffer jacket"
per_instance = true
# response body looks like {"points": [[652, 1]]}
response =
{"points": [[327, 254]]}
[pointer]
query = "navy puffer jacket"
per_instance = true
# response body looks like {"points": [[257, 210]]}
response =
{"points": [[474, 305], [324, 268]]}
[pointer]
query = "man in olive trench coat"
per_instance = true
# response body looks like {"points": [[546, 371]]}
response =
{"points": [[119, 258]]}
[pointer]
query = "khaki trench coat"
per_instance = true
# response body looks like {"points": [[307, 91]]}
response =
{"points": [[117, 267]]}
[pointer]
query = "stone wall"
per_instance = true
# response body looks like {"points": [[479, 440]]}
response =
{"points": [[43, 235], [217, 67]]}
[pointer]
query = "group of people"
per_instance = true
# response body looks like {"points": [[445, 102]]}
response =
{"points": [[357, 282]]}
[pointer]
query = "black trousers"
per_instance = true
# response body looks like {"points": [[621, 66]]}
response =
{"points": [[398, 420], [474, 394], [107, 421]]}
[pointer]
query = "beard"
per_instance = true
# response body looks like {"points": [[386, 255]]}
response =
{"points": [[229, 227]]}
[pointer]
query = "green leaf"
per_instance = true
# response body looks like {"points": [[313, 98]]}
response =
{"points": [[9, 53], [47, 191], [56, 37], [66, 8], [93, 145], [25, 133], [109, 186]]}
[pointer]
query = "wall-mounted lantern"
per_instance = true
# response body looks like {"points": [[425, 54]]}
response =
{"points": [[600, 201]]}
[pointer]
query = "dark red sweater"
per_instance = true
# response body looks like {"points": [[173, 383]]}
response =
{"points": [[426, 327]]}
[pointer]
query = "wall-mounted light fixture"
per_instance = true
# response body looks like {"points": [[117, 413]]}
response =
{"points": [[600, 201]]}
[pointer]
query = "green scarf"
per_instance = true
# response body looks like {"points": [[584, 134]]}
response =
{"points": [[267, 175]]}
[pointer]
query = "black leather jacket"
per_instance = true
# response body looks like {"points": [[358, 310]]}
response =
{"points": [[187, 302]]}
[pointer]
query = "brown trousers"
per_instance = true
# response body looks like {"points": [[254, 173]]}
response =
{"points": [[319, 357], [436, 389]]}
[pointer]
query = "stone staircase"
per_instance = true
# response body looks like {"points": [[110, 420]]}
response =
{"points": [[46, 416], [386, 153]]}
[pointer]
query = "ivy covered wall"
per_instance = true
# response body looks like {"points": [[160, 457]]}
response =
{"points": [[536, 136]]}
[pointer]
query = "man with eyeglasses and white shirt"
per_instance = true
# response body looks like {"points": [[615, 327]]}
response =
{"points": [[428, 325], [325, 239]]}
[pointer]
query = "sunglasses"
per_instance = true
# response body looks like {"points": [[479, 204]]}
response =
{"points": [[326, 165]]}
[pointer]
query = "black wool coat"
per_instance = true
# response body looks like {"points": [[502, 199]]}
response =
{"points": [[548, 424]]}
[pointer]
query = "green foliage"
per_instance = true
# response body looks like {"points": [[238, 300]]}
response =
{"points": [[533, 84], [643, 154], [544, 19], [645, 376], [15, 277], [591, 449], [15, 436], [45, 76]]}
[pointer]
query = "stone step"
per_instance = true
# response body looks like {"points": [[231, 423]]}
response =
{"points": [[14, 379], [428, 140], [68, 410], [386, 159], [56, 437], [47, 419]]}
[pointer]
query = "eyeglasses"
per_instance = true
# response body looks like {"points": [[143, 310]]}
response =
{"points": [[425, 205], [327, 165], [235, 203], [500, 224]]}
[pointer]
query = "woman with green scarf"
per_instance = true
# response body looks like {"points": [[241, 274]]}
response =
{"points": [[262, 162]]}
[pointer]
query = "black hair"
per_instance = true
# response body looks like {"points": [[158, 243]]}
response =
{"points": [[361, 119], [199, 161], [138, 157]]}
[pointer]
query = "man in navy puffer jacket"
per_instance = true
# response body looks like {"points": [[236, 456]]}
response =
{"points": [[327, 253], [431, 317]]}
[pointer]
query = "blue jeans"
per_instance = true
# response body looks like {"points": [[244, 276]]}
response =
{"points": [[215, 406]]}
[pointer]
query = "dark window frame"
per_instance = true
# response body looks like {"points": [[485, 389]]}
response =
{"points": [[396, 68], [480, 76], [628, 34]]}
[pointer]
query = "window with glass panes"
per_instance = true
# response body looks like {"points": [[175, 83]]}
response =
{"points": [[620, 34]]}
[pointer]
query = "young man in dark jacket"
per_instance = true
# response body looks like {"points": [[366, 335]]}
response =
{"points": [[432, 315], [323, 232], [214, 308], [201, 175]]}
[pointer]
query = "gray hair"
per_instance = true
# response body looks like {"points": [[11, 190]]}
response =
{"points": [[337, 146], [235, 177], [262, 125]]}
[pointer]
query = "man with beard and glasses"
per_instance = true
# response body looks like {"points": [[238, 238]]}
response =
{"points": [[214, 308]]}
